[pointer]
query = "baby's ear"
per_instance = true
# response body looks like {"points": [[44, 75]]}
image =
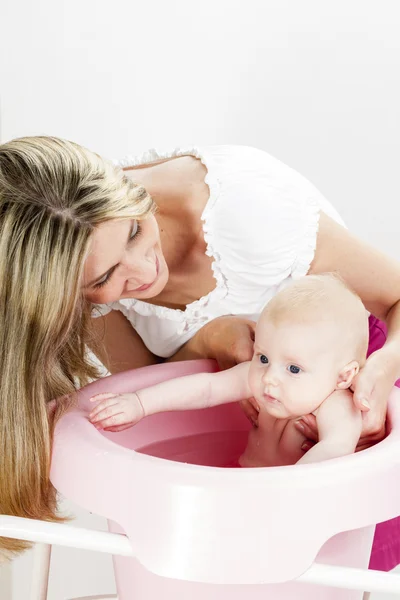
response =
{"points": [[347, 374]]}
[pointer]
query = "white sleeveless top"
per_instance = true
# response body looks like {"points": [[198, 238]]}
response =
{"points": [[260, 225]]}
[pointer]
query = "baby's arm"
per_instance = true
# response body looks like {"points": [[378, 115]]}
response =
{"points": [[115, 412], [339, 428]]}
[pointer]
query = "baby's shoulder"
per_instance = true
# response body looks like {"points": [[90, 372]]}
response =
{"points": [[337, 396], [339, 402], [341, 396]]}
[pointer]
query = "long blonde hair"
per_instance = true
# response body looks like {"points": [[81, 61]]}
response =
{"points": [[53, 193]]}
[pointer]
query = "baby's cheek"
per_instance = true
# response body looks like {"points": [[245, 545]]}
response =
{"points": [[299, 400], [254, 383]]}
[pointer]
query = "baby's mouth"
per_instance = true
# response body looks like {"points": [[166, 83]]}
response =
{"points": [[271, 399]]}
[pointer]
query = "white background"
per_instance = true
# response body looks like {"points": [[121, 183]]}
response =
{"points": [[314, 83]]}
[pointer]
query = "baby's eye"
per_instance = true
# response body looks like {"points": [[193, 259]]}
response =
{"points": [[263, 359], [294, 369]]}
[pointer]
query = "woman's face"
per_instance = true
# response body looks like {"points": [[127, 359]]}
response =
{"points": [[125, 261]]}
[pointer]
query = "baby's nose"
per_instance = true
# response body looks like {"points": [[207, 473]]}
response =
{"points": [[270, 378]]}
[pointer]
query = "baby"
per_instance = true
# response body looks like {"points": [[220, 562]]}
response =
{"points": [[310, 342]]}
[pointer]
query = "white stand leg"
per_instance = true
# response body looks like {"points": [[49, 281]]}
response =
{"points": [[6, 581], [40, 572], [97, 598]]}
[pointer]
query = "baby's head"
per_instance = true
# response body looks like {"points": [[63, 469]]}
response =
{"points": [[311, 339]]}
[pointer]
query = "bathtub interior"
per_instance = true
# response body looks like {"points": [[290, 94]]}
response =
{"points": [[214, 437], [210, 437]]}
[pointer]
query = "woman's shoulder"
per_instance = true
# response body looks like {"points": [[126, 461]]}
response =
{"points": [[173, 178], [262, 223], [182, 172]]}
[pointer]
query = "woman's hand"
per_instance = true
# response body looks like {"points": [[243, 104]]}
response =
{"points": [[371, 388], [229, 340]]}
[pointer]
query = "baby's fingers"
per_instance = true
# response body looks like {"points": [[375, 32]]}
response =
{"points": [[115, 420], [104, 411], [104, 404], [117, 428], [103, 396]]}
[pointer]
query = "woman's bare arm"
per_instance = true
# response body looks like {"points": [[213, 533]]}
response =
{"points": [[119, 346], [376, 279], [229, 340]]}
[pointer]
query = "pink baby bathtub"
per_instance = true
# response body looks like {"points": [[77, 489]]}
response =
{"points": [[202, 532]]}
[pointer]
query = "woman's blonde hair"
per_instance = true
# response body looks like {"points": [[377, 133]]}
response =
{"points": [[53, 193]]}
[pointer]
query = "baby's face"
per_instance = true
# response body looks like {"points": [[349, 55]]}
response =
{"points": [[294, 367]]}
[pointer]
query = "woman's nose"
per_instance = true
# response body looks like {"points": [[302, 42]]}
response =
{"points": [[132, 273], [138, 272], [134, 264]]}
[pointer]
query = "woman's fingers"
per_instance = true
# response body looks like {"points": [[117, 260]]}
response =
{"points": [[362, 387], [374, 423], [307, 425], [307, 445], [372, 387], [251, 410], [370, 440]]}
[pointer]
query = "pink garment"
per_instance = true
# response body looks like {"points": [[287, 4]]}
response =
{"points": [[386, 547]]}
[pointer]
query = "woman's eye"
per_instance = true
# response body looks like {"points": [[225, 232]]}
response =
{"points": [[103, 281], [294, 369], [135, 230], [263, 359]]}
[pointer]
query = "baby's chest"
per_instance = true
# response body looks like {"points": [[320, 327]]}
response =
{"points": [[277, 441]]}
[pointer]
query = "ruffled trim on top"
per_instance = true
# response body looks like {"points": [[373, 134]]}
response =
{"points": [[307, 246], [100, 310], [193, 314]]}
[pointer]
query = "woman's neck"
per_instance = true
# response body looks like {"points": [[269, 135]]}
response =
{"points": [[181, 194]]}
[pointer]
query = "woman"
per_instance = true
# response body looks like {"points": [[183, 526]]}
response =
{"points": [[167, 246]]}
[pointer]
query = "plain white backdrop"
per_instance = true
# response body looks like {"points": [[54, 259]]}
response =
{"points": [[316, 84]]}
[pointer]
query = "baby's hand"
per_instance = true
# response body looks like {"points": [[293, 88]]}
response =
{"points": [[116, 412]]}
